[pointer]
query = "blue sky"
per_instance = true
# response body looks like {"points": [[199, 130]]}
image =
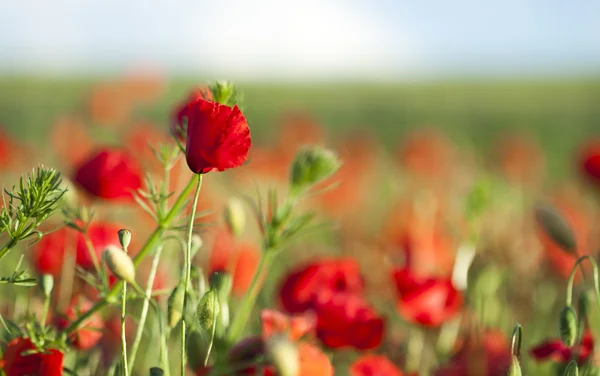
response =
{"points": [[309, 38]]}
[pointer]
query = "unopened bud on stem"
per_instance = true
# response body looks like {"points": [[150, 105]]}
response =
{"points": [[119, 263], [568, 325], [47, 283]]}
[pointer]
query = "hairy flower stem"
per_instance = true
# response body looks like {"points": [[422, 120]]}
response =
{"points": [[123, 337], [188, 268], [239, 321], [144, 314], [150, 244]]}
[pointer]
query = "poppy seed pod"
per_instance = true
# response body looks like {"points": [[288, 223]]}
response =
{"points": [[234, 216], [208, 309], [568, 325], [175, 305], [119, 263], [284, 356], [124, 237], [556, 227], [312, 165]]}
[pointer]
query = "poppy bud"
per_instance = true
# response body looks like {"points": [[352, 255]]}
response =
{"points": [[515, 367], [235, 217], [223, 283], [283, 354], [208, 309], [124, 237], [556, 227], [311, 165], [568, 325], [572, 369], [47, 283], [119, 263], [156, 371], [175, 305]]}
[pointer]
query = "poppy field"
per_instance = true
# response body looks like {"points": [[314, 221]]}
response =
{"points": [[206, 228]]}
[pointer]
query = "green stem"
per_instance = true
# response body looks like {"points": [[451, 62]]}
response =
{"points": [[214, 330], [150, 244], [45, 312], [7, 247], [92, 252], [123, 337], [245, 309], [569, 298], [144, 314], [188, 267]]}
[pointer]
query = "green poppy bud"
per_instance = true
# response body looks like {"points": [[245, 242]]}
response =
{"points": [[283, 354], [556, 227], [568, 326], [175, 305], [235, 216], [124, 237], [47, 284], [515, 367], [312, 165], [208, 309], [572, 369], [119, 263]]}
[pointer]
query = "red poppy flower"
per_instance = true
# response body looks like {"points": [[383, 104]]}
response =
{"points": [[15, 363], [374, 365], [218, 137], [590, 161], [302, 287], [49, 252], [294, 326], [179, 117], [426, 301], [111, 174], [486, 354], [346, 320], [556, 351], [89, 333]]}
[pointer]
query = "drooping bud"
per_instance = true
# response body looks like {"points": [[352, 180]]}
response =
{"points": [[208, 309], [284, 356], [556, 227], [572, 369], [235, 216], [568, 325], [175, 305], [119, 263], [222, 282], [515, 367], [47, 284], [312, 165], [124, 237]]}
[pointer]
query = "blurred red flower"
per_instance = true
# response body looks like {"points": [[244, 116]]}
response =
{"points": [[520, 159], [218, 137], [90, 332], [590, 161], [111, 174], [239, 259], [15, 363], [486, 354], [427, 154], [179, 118], [275, 322], [374, 365], [556, 351], [427, 301], [109, 105], [49, 252], [302, 287]]}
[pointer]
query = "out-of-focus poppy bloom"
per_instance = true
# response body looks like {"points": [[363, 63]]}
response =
{"points": [[15, 363], [109, 105], [590, 161], [520, 159], [49, 252], [426, 154], [374, 365], [139, 140], [561, 261], [142, 85], [179, 118], [555, 350], [89, 333], [346, 320], [427, 301], [302, 287], [218, 137], [5, 150], [239, 259], [71, 141], [295, 327], [313, 362], [486, 354], [110, 174]]}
